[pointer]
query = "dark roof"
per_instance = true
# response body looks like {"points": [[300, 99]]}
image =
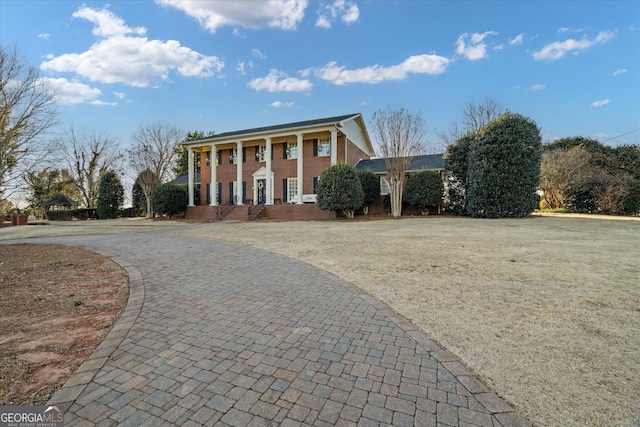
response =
{"points": [[60, 200], [418, 163], [184, 179], [294, 125]]}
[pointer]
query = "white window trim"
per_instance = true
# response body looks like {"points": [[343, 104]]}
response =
{"points": [[290, 149], [292, 195], [327, 143], [384, 186]]}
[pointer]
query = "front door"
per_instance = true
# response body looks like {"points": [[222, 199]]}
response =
{"points": [[262, 191]]}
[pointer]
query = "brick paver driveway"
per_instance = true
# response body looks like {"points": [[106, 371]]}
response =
{"points": [[217, 334]]}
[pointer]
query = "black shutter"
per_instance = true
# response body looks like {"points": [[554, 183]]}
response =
{"points": [[315, 184], [208, 193], [284, 151], [219, 195], [244, 191], [315, 147], [244, 154], [231, 193], [285, 193]]}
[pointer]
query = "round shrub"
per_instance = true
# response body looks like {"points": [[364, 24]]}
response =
{"points": [[169, 199], [424, 190], [339, 189]]}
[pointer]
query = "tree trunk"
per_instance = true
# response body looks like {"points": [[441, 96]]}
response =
{"points": [[395, 188]]}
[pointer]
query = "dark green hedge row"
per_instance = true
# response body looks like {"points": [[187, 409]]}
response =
{"points": [[71, 214]]}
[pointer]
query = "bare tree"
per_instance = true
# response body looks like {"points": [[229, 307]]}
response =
{"points": [[89, 156], [153, 150], [400, 135], [565, 173], [474, 117], [27, 113], [148, 182]]}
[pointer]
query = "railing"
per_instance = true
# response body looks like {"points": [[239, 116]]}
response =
{"points": [[254, 211], [224, 210]]}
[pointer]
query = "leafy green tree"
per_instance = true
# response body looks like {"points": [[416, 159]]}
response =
{"points": [[169, 199], [504, 168], [339, 189], [182, 154], [46, 184], [371, 188], [424, 190], [110, 196], [456, 165]]}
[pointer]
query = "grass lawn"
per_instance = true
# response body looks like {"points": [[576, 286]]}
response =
{"points": [[546, 310]]}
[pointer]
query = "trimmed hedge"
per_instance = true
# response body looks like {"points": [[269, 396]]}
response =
{"points": [[71, 214]]}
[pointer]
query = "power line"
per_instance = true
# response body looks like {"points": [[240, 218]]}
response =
{"points": [[618, 136]]}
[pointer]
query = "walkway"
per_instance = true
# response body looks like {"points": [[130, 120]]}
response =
{"points": [[217, 334]]}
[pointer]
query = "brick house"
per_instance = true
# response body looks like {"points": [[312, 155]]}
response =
{"points": [[275, 168]]}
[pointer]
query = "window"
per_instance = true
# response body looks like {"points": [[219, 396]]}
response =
{"points": [[292, 189], [292, 150], [324, 147], [261, 153], [233, 156], [384, 186], [208, 158]]}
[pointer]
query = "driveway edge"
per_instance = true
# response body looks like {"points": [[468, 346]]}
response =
{"points": [[85, 373]]}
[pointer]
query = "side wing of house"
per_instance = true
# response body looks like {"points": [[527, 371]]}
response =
{"points": [[275, 164]]}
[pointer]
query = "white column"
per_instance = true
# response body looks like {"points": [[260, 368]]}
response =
{"points": [[268, 187], [214, 176], [300, 167], [190, 169], [334, 147], [239, 173]]}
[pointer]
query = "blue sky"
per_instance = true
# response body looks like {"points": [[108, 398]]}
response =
{"points": [[572, 66]]}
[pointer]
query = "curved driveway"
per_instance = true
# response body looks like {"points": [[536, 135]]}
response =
{"points": [[218, 334]]}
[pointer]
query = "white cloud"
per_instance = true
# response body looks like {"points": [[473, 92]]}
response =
{"points": [[120, 95], [278, 81], [283, 14], [569, 30], [516, 40], [472, 46], [599, 103], [66, 92], [347, 11], [103, 103], [106, 23], [559, 49], [44, 36], [419, 64], [279, 104], [258, 54], [619, 71], [122, 57], [240, 68], [536, 87]]}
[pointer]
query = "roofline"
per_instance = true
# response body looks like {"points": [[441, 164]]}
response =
{"points": [[277, 129]]}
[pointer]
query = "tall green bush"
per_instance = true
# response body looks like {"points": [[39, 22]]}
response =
{"points": [[504, 168], [169, 199], [110, 196], [138, 200], [371, 188], [424, 190], [456, 165], [339, 189]]}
